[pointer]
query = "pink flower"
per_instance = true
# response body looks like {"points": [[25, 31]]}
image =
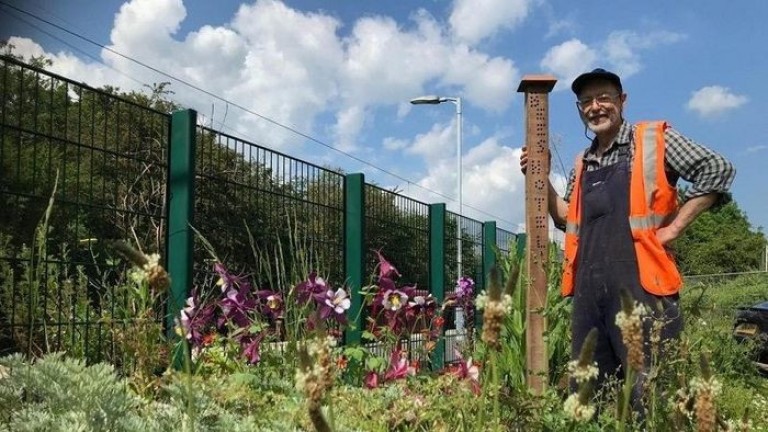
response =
{"points": [[371, 380], [398, 367], [251, 346], [386, 270], [467, 370]]}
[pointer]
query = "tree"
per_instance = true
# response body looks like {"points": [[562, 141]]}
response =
{"points": [[720, 240]]}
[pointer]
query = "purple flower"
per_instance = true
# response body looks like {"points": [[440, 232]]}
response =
{"points": [[271, 303], [465, 286], [386, 270], [226, 280], [313, 286], [422, 302], [251, 346], [236, 306], [398, 366], [394, 299], [193, 320]]}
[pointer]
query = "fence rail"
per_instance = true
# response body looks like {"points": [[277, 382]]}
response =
{"points": [[126, 169]]}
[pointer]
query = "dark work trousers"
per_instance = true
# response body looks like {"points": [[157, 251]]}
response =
{"points": [[606, 263]]}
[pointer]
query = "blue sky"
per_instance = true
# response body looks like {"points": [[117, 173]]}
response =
{"points": [[343, 71]]}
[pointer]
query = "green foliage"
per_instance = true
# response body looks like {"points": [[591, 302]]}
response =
{"points": [[557, 314], [720, 240]]}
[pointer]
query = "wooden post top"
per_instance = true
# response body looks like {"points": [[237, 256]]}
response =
{"points": [[539, 82]]}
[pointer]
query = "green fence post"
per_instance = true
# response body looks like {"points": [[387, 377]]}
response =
{"points": [[181, 199], [489, 259], [354, 256], [520, 239], [489, 252], [437, 271]]}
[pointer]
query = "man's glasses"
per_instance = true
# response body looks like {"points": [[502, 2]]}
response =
{"points": [[602, 99]]}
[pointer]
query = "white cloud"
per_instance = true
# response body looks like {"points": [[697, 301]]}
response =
{"points": [[392, 143], [439, 143], [567, 60], [621, 48], [557, 27], [755, 149], [474, 20], [65, 64], [386, 65], [261, 62], [714, 100], [620, 53]]}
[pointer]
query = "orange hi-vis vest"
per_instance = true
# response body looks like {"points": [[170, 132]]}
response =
{"points": [[653, 204]]}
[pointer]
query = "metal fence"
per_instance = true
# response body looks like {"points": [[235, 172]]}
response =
{"points": [[126, 171], [105, 158]]}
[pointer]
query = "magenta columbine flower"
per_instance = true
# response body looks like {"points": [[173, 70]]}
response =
{"points": [[465, 286], [394, 299]]}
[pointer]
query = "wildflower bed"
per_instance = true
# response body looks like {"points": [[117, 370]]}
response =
{"points": [[255, 358]]}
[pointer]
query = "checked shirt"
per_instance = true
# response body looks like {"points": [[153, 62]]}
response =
{"points": [[706, 170]]}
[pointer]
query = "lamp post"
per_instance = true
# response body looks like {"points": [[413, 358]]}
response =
{"points": [[435, 100]]}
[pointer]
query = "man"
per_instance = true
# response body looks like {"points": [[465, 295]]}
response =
{"points": [[620, 213]]}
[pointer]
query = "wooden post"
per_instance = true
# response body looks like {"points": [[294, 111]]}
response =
{"points": [[536, 89]]}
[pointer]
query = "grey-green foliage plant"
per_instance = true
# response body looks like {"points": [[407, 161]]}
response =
{"points": [[57, 393], [61, 394]]}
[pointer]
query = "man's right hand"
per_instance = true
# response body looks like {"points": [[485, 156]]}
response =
{"points": [[524, 160]]}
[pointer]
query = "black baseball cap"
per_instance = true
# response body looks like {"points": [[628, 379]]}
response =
{"points": [[598, 73]]}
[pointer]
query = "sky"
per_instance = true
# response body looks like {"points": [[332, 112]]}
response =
{"points": [[342, 73]]}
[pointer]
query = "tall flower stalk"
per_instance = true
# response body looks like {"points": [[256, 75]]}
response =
{"points": [[705, 390], [584, 372], [630, 322], [495, 306], [314, 378]]}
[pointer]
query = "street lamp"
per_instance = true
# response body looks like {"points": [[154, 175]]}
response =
{"points": [[435, 100]]}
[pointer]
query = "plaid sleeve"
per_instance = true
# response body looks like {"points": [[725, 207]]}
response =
{"points": [[707, 171]]}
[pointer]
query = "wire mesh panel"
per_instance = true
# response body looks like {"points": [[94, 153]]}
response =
{"points": [[266, 214], [506, 242], [467, 234], [79, 167], [398, 227]]}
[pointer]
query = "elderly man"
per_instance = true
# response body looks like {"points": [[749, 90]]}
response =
{"points": [[620, 213]]}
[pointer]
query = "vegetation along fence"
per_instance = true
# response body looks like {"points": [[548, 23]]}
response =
{"points": [[119, 166]]}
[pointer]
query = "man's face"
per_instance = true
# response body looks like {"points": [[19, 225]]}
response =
{"points": [[601, 105]]}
